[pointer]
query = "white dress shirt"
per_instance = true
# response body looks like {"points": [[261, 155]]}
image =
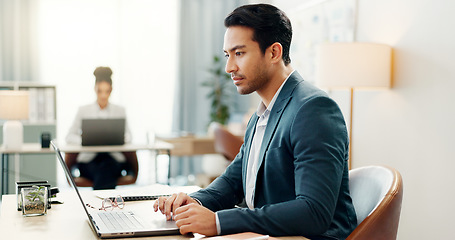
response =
{"points": [[253, 159], [263, 113], [94, 111]]}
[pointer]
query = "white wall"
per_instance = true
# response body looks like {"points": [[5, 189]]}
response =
{"points": [[411, 126], [138, 39]]}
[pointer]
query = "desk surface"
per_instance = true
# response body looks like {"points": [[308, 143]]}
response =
{"points": [[158, 145], [63, 221], [36, 148], [27, 148]]}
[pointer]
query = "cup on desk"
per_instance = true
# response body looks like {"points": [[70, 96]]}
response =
{"points": [[45, 140]]}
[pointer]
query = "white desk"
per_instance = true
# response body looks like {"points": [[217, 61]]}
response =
{"points": [[64, 221], [157, 146], [27, 148], [35, 148]]}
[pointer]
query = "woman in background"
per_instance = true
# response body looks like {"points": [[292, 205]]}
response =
{"points": [[101, 170]]}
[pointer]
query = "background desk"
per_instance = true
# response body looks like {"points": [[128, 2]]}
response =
{"points": [[187, 146], [160, 147], [36, 168], [190, 145], [64, 221], [29, 163]]}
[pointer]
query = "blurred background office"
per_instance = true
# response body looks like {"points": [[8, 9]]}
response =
{"points": [[157, 51], [161, 51]]}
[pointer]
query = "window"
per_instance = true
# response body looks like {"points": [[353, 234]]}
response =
{"points": [[138, 39]]}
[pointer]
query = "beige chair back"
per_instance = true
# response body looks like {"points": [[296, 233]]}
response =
{"points": [[377, 193]]}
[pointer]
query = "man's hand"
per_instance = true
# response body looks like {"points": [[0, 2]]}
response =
{"points": [[194, 218], [189, 216], [168, 205]]}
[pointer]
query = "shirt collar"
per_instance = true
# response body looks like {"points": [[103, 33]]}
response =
{"points": [[261, 110], [104, 109]]}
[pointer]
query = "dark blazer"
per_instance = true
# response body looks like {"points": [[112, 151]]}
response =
{"points": [[302, 185]]}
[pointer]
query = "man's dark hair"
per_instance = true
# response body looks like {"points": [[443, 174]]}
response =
{"points": [[269, 23]]}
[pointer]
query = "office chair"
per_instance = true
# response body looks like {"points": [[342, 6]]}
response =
{"points": [[377, 193], [226, 143], [131, 158]]}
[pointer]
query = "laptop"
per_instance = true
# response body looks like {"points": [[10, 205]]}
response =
{"points": [[122, 223], [103, 131]]}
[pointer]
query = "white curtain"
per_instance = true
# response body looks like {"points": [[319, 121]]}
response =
{"points": [[201, 38], [17, 38]]}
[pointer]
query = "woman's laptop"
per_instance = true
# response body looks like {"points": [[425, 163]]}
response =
{"points": [[103, 131], [122, 223]]}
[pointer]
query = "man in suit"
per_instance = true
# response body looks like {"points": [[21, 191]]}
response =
{"points": [[292, 170]]}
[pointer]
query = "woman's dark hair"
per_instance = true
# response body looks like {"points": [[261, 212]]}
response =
{"points": [[269, 23], [103, 74]]}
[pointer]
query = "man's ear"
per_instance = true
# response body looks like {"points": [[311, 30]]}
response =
{"points": [[276, 51]]}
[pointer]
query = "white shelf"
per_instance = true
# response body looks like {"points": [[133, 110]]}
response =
{"points": [[42, 104], [33, 163]]}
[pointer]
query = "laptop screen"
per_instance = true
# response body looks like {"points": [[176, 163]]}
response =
{"points": [[68, 175], [107, 131]]}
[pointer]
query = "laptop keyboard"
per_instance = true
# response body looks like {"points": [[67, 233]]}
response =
{"points": [[117, 220]]}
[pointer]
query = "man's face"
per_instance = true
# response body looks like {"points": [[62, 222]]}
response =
{"points": [[245, 61]]}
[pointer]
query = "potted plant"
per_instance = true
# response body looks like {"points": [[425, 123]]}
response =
{"points": [[220, 92], [34, 201]]}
